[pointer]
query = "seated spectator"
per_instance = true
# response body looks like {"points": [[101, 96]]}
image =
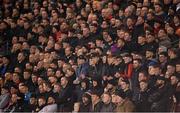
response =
{"points": [[66, 49], [4, 98], [123, 104], [85, 103], [107, 105], [51, 105]]}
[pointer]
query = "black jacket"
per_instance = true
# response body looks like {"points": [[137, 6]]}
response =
{"points": [[159, 100], [97, 107], [140, 100], [64, 100]]}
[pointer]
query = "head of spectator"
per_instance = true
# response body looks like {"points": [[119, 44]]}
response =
{"points": [[86, 99], [120, 97], [106, 98]]}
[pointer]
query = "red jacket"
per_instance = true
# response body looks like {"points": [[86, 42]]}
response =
{"points": [[128, 70]]}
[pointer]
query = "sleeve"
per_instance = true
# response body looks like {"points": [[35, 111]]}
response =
{"points": [[130, 69], [4, 101]]}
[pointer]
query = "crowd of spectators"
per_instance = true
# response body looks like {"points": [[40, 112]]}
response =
{"points": [[89, 55]]}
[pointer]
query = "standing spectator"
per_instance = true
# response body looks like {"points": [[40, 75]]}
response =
{"points": [[137, 67], [140, 97], [128, 66], [159, 99], [65, 97]]}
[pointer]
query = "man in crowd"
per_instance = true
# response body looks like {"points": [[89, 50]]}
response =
{"points": [[58, 52]]}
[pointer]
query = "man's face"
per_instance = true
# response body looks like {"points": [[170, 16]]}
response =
{"points": [[151, 70], [162, 58], [127, 36], [3, 91], [113, 21], [174, 80], [50, 72], [138, 11], [34, 78], [141, 77], [23, 89], [139, 21], [26, 25], [161, 34], [78, 3], [141, 40], [149, 16], [157, 70], [92, 29], [67, 51], [76, 106], [83, 85], [106, 98], [32, 100], [51, 100], [52, 79], [88, 8], [5, 60], [149, 38], [26, 75], [85, 31], [94, 97], [57, 88], [110, 60], [15, 77], [178, 68], [136, 64], [85, 100], [41, 89], [63, 81], [118, 99], [157, 8], [126, 59], [149, 54], [124, 85], [94, 83], [143, 85], [170, 30], [104, 24], [120, 33], [41, 102], [93, 61], [129, 22], [113, 96], [20, 56], [170, 69]]}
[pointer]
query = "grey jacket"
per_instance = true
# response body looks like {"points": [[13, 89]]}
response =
{"points": [[4, 100]]}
